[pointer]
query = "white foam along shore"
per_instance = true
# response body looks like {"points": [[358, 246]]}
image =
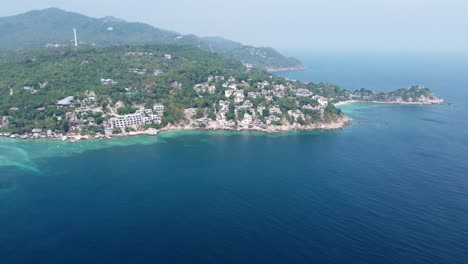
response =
{"points": [[429, 102], [347, 102]]}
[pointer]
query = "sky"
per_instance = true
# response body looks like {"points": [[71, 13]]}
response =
{"points": [[294, 25]]}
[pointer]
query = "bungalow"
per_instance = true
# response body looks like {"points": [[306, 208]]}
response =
{"points": [[252, 95], [303, 92], [280, 87], [137, 71], [199, 88], [91, 96], [239, 96], [66, 102], [272, 118], [228, 93], [296, 114], [260, 109], [41, 109], [258, 123], [279, 94], [310, 107], [266, 92], [212, 89], [274, 110], [190, 111], [108, 131], [223, 103], [247, 120], [50, 133], [108, 82], [248, 104], [30, 89], [176, 85], [263, 84], [321, 100], [36, 131], [157, 72]]}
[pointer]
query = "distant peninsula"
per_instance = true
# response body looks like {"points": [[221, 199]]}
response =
{"points": [[418, 95], [92, 93]]}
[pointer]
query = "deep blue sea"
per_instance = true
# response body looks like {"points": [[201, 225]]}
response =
{"points": [[390, 188]]}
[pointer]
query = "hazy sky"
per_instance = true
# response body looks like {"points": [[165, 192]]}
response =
{"points": [[292, 24]]}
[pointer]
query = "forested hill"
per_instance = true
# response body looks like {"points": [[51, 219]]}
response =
{"points": [[58, 88], [54, 27], [70, 71]]}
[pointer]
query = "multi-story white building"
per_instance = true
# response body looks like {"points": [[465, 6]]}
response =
{"points": [[132, 120], [159, 109], [141, 117]]}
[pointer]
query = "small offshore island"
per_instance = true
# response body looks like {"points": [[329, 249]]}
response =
{"points": [[94, 93]]}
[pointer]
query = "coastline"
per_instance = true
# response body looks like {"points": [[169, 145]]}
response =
{"points": [[335, 125], [429, 102], [340, 123], [286, 69], [347, 102]]}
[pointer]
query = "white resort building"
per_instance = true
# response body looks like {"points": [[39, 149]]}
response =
{"points": [[132, 120]]}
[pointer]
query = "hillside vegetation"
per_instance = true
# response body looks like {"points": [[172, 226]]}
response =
{"points": [[192, 85], [54, 27]]}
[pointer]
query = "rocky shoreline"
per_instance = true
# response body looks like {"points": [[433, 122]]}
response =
{"points": [[337, 124], [426, 102]]}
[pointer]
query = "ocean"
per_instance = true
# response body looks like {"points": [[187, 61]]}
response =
{"points": [[392, 187]]}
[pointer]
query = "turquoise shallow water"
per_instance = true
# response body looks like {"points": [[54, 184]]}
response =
{"points": [[390, 188]]}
